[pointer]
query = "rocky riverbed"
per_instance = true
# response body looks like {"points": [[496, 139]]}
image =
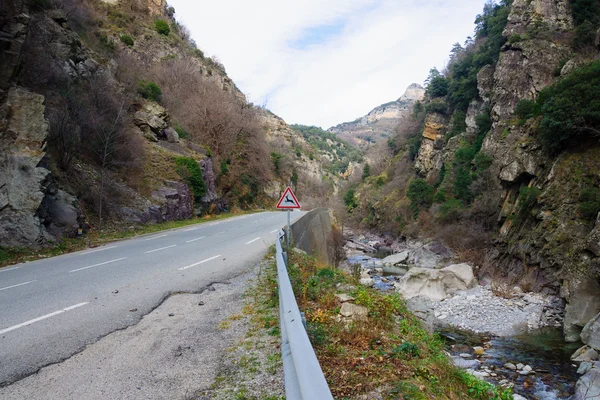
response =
{"points": [[503, 335]]}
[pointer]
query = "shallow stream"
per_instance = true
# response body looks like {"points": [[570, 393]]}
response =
{"points": [[545, 350]]}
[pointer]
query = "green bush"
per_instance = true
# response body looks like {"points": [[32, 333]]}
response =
{"points": [[586, 15], [482, 161], [191, 173], [437, 106], [514, 38], [294, 178], [589, 205], [526, 109], [183, 134], [451, 210], [366, 171], [459, 124], [406, 349], [350, 199], [162, 27], [420, 194], [570, 108], [107, 43], [224, 167], [128, 40], [149, 90], [276, 159], [528, 197]]}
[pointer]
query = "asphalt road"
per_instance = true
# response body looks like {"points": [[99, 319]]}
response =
{"points": [[51, 309]]}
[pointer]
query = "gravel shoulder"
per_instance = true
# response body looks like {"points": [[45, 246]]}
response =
{"points": [[177, 351]]}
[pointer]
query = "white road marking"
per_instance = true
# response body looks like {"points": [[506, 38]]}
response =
{"points": [[13, 286], [156, 237], [8, 269], [193, 240], [97, 265], [276, 230], [198, 263], [161, 248], [31, 321], [253, 240], [97, 250], [219, 233], [191, 229]]}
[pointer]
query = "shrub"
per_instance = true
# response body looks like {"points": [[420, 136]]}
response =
{"points": [[459, 124], [570, 107], [482, 161], [451, 210], [162, 27], [191, 173], [149, 90], [526, 109], [224, 167], [128, 40], [107, 42], [437, 106], [181, 132], [528, 197], [366, 171], [381, 180], [350, 200], [420, 194], [406, 349], [589, 206], [514, 38], [276, 159]]}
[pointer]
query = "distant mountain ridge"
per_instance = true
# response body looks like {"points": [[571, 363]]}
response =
{"points": [[380, 122]]}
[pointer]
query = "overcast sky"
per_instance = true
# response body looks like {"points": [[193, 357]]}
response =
{"points": [[323, 62]]}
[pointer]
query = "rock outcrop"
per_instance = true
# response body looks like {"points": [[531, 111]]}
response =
{"points": [[436, 284], [380, 122], [22, 179]]}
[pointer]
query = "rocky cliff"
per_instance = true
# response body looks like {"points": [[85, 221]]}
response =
{"points": [[483, 174], [381, 122], [99, 127]]}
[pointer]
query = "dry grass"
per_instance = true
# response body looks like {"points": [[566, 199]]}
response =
{"points": [[388, 355]]}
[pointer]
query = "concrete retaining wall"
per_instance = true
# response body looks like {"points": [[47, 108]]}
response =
{"points": [[311, 233]]}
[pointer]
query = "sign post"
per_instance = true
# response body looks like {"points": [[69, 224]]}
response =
{"points": [[288, 202]]}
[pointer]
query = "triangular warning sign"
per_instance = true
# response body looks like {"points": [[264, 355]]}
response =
{"points": [[288, 200]]}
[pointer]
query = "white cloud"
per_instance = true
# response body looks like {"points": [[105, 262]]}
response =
{"points": [[322, 62]]}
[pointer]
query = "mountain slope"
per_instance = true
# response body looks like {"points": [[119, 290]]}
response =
{"points": [[380, 122]]}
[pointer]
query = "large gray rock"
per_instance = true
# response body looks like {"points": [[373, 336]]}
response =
{"points": [[583, 303], [22, 180], [171, 135], [588, 386], [436, 284], [396, 259], [590, 334], [61, 214], [210, 180]]}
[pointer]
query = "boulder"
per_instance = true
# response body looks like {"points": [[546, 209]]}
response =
{"points": [[354, 311], [210, 180], [22, 179], [344, 298], [171, 135], [396, 259], [143, 119], [60, 214], [465, 364], [584, 354], [588, 386], [583, 303], [590, 334], [436, 284]]}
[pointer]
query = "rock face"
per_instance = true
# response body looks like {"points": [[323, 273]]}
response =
{"points": [[21, 178], [436, 284], [588, 386], [380, 122]]}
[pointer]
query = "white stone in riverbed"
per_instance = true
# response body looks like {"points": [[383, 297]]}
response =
{"points": [[584, 367], [510, 366], [520, 366], [396, 259], [465, 355], [527, 368]]}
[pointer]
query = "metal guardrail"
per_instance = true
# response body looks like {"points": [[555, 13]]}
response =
{"points": [[302, 373]]}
